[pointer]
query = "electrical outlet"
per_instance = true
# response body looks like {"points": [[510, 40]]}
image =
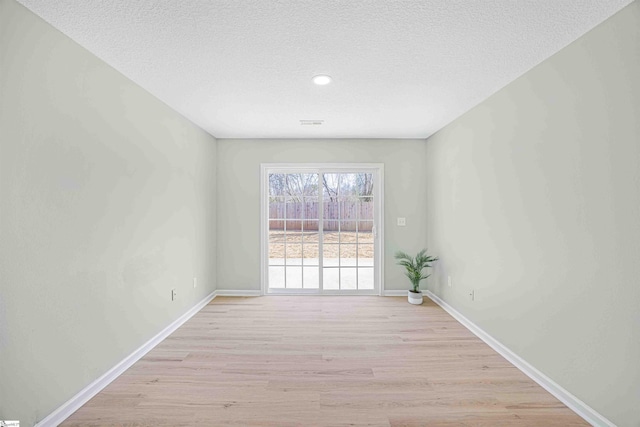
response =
{"points": [[195, 282], [174, 294], [402, 222], [449, 282]]}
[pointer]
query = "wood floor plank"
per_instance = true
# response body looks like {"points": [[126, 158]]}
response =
{"points": [[323, 361]]}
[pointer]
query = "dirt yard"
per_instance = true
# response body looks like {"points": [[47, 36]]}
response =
{"points": [[330, 247]]}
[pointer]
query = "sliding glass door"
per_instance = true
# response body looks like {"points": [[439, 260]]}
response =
{"points": [[320, 229]]}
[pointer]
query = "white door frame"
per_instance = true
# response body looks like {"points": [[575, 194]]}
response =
{"points": [[376, 168]]}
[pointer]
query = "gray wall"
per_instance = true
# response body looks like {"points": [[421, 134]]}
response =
{"points": [[107, 199], [534, 203], [239, 198]]}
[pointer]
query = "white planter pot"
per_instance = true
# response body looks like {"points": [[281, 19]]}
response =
{"points": [[415, 297]]}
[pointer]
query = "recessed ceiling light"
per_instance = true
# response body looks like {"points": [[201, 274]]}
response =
{"points": [[322, 79]]}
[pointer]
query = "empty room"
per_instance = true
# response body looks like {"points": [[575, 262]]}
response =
{"points": [[319, 213]]}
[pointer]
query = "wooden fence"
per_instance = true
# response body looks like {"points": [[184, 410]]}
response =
{"points": [[347, 212]]}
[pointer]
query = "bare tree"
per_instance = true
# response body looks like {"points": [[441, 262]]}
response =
{"points": [[331, 192], [277, 184], [365, 186]]}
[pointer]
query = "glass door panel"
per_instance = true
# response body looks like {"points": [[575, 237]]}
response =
{"points": [[293, 223]]}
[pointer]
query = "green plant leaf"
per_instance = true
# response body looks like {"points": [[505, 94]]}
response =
{"points": [[414, 266]]}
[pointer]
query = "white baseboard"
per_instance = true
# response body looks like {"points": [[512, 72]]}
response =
{"points": [[237, 293], [578, 406], [312, 292], [70, 406], [394, 293]]}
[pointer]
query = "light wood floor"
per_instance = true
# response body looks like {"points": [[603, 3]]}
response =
{"points": [[323, 361]]}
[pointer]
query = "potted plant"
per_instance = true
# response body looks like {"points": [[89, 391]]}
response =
{"points": [[414, 267]]}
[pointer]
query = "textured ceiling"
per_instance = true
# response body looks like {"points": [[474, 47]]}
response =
{"points": [[401, 69]]}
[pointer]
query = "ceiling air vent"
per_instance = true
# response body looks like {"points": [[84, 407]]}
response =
{"points": [[311, 122]]}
